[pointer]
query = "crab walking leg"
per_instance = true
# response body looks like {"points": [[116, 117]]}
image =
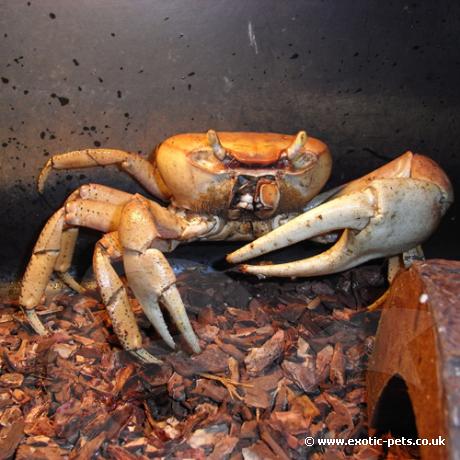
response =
{"points": [[100, 210], [68, 240], [404, 260], [56, 243], [69, 235], [97, 207], [152, 279], [64, 260], [137, 166], [54, 248], [97, 215], [40, 267], [395, 264], [115, 298], [406, 212], [103, 193], [147, 270]]}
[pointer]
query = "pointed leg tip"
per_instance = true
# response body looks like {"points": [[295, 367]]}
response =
{"points": [[192, 341], [379, 303], [173, 303], [230, 258], [36, 323], [171, 344], [143, 355], [69, 281], [196, 348]]}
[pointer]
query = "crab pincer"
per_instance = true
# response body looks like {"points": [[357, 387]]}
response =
{"points": [[389, 212]]}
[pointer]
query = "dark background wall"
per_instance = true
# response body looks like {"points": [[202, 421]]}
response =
{"points": [[370, 78]]}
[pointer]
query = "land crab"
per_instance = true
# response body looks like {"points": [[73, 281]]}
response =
{"points": [[260, 187]]}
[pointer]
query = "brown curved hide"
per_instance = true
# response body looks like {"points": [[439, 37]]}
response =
{"points": [[419, 339]]}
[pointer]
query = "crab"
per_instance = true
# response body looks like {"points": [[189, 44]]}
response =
{"points": [[258, 187]]}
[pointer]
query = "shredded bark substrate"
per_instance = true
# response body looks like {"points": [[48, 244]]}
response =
{"points": [[281, 361]]}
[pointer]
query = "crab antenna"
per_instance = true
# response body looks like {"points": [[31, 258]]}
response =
{"points": [[215, 144], [296, 148]]}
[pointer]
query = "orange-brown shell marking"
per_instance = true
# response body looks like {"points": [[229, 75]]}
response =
{"points": [[197, 179]]}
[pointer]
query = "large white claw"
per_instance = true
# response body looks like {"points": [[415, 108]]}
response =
{"points": [[386, 218], [351, 211]]}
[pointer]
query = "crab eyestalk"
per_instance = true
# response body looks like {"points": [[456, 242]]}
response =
{"points": [[296, 149], [214, 142]]}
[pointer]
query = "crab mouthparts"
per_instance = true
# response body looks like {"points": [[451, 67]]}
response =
{"points": [[257, 196]]}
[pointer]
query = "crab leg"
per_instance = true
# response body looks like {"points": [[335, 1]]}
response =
{"points": [[91, 205], [395, 264], [40, 267], [64, 260], [145, 230], [137, 166], [98, 215], [149, 273], [390, 216], [55, 246], [114, 295]]}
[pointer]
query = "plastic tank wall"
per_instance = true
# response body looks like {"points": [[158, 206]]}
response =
{"points": [[372, 79]]}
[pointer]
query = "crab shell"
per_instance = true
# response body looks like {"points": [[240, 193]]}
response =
{"points": [[203, 173]]}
